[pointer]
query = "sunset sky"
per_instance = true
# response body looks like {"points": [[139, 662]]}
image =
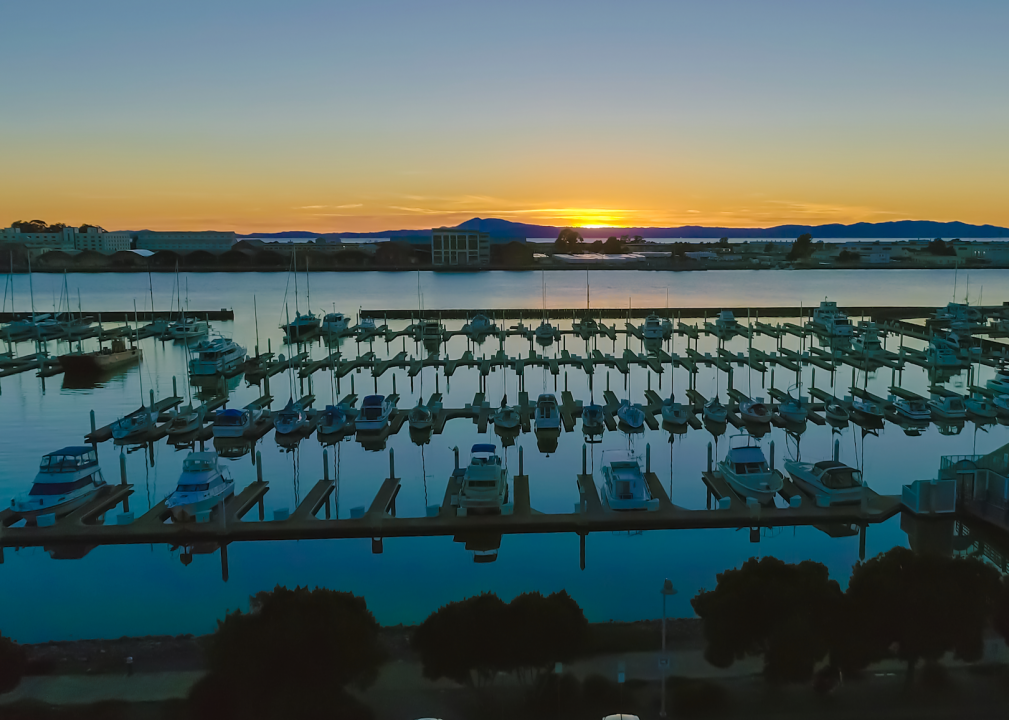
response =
{"points": [[359, 116]]}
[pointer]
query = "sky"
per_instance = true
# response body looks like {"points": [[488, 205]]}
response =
{"points": [[366, 116]]}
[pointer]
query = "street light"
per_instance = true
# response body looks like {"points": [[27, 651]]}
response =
{"points": [[667, 590]]}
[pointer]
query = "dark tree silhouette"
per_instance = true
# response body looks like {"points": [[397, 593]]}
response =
{"points": [[1001, 619], [465, 641], [938, 247], [543, 631], [802, 247], [568, 239]]}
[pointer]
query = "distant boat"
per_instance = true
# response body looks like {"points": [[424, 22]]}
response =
{"points": [[185, 420], [831, 321], [104, 360], [420, 417], [943, 352], [745, 470], [506, 417], [291, 419], [478, 326], [653, 329], [202, 486], [334, 419], [867, 409], [836, 413], [833, 479], [234, 423], [375, 412], [66, 479], [913, 409], [547, 415], [980, 406], [715, 412], [135, 425], [187, 329], [484, 485], [726, 323], [335, 323], [216, 356], [673, 412], [301, 327], [624, 486], [949, 407], [593, 420], [544, 332], [754, 411], [793, 410], [631, 415]]}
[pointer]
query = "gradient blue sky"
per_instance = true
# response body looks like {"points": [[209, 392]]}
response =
{"points": [[261, 116]]}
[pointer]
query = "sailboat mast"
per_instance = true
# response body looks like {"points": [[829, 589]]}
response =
{"points": [[31, 286], [294, 261], [255, 313], [308, 286]]}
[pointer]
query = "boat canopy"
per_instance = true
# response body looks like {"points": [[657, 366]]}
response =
{"points": [[484, 448], [374, 401], [69, 459]]}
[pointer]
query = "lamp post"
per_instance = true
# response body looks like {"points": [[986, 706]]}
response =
{"points": [[667, 590]]}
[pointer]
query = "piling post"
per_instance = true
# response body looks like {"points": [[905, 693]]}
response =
{"points": [[224, 563], [152, 398], [584, 463], [772, 455], [521, 470], [352, 385], [772, 376], [837, 449], [648, 457], [94, 443], [709, 457], [266, 385], [122, 467], [455, 452], [581, 550], [394, 383], [259, 466], [175, 387], [392, 463], [325, 465], [269, 345]]}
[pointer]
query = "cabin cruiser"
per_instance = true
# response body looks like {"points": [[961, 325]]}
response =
{"points": [[867, 409], [334, 419], [506, 417], [430, 333], [948, 406], [134, 425], [187, 328], [867, 340], [715, 412], [302, 326], [624, 486], [674, 413], [745, 470], [203, 485], [420, 417], [652, 329], [484, 485], [833, 479], [754, 411], [914, 409], [836, 413], [366, 324], [793, 411], [831, 321], [233, 423], [66, 480], [216, 356], [726, 323], [185, 420], [980, 406], [335, 323], [943, 352], [375, 412], [593, 419], [544, 333], [293, 418], [479, 325], [1000, 383], [958, 313], [547, 415], [631, 415]]}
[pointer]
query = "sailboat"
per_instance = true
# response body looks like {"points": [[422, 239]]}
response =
{"points": [[545, 332], [303, 325]]}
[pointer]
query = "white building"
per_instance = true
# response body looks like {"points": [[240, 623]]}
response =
{"points": [[184, 242], [96, 239], [69, 239], [450, 246]]}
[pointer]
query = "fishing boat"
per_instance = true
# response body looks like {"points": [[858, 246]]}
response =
{"points": [[484, 485], [745, 470], [187, 328], [673, 412], [185, 420], [755, 411], [135, 425], [980, 406], [831, 321], [547, 415], [103, 360], [836, 413], [949, 406], [335, 323], [334, 419], [66, 479], [375, 412], [631, 416], [216, 356], [506, 417], [715, 412], [914, 409], [652, 329], [420, 417], [593, 420], [624, 487], [292, 419], [835, 480], [233, 423], [202, 486]]}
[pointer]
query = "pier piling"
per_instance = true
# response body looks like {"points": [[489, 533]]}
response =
{"points": [[771, 451], [584, 464], [709, 457], [325, 464], [122, 467], [648, 458], [837, 449], [521, 470], [175, 387]]}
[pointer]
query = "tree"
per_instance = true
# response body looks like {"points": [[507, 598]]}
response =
{"points": [[1001, 619], [769, 248], [287, 655], [848, 256], [938, 247], [723, 242], [543, 631], [13, 661], [464, 641], [802, 248], [917, 607], [768, 608], [613, 246], [568, 239]]}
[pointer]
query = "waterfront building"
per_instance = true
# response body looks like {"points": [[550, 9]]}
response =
{"points": [[454, 247], [68, 239], [185, 242]]}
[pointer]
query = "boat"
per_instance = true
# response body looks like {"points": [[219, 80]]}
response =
{"points": [[335, 323], [293, 418], [652, 329], [185, 420], [216, 356], [914, 409], [375, 412], [754, 411], [66, 479], [135, 425], [866, 341], [674, 413], [593, 420], [366, 324], [544, 332], [867, 409], [105, 359], [334, 419], [301, 327], [745, 470], [836, 413], [22, 328], [726, 323], [187, 328], [506, 417], [980, 406], [1002, 406], [792, 410], [837, 481], [430, 333], [632, 416], [479, 325], [420, 417], [233, 423], [624, 487], [831, 321], [947, 406], [585, 327], [547, 415], [203, 485], [1000, 383], [943, 352], [484, 485], [715, 412]]}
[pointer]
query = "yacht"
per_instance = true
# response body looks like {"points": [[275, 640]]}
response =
{"points": [[726, 322], [831, 321], [185, 420], [187, 328], [375, 412], [914, 409], [301, 327], [335, 323], [484, 485], [293, 418], [980, 406], [1000, 383], [593, 419], [631, 415], [547, 415], [420, 417], [334, 419], [958, 313], [754, 411], [674, 413], [233, 423], [793, 411], [943, 352], [506, 417], [867, 409], [544, 333], [948, 407], [867, 340], [624, 486], [652, 329], [66, 480], [836, 480], [216, 356], [203, 485], [745, 470], [135, 425], [836, 413], [715, 412]]}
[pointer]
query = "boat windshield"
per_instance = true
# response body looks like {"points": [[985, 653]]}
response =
{"points": [[66, 463], [481, 483], [751, 468], [199, 487], [60, 488], [198, 465], [956, 404], [229, 419], [840, 478]]}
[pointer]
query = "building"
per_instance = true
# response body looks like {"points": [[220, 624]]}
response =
{"points": [[94, 238], [453, 247], [69, 239], [185, 242]]}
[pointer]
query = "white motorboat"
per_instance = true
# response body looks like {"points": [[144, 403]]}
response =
{"points": [[914, 409], [831, 321], [624, 487], [544, 333], [980, 406], [652, 329], [943, 352], [66, 480], [867, 409], [836, 413], [335, 323], [947, 406], [375, 412], [203, 485], [547, 415], [484, 485], [715, 412], [866, 341], [745, 470], [506, 417], [833, 479], [187, 328], [674, 413], [631, 415], [233, 423], [365, 324], [301, 327], [593, 419], [755, 411], [1000, 383], [334, 419], [726, 323], [955, 312], [216, 356], [293, 418], [793, 410], [185, 420], [420, 417], [135, 425]]}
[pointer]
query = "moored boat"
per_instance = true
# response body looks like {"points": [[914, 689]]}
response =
{"points": [[106, 359], [66, 479], [375, 412], [624, 487], [746, 471], [830, 478], [484, 485], [547, 415], [202, 486]]}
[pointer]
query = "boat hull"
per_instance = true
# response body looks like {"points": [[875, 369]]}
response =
{"points": [[59, 510], [188, 512], [96, 363]]}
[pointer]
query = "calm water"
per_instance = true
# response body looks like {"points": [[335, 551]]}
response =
{"points": [[147, 590]]}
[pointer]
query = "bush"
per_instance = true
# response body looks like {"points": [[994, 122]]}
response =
{"points": [[13, 662], [695, 697]]}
